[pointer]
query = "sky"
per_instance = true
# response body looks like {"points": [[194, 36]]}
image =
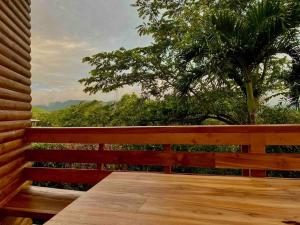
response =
{"points": [[63, 32]]}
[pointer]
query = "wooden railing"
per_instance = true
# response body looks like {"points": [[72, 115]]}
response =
{"points": [[257, 137]]}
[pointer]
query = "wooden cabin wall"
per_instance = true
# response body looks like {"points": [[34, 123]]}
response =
{"points": [[15, 107]]}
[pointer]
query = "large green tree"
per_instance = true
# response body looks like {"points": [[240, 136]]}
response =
{"points": [[229, 55]]}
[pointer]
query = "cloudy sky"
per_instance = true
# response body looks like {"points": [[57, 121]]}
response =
{"points": [[63, 32]]}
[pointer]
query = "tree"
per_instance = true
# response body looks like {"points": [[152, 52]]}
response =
{"points": [[239, 47], [208, 50]]}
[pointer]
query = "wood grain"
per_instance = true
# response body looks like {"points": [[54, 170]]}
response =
{"points": [[39, 202], [271, 161], [210, 135], [80, 176], [15, 108], [164, 199]]}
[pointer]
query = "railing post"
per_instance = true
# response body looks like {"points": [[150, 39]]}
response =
{"points": [[100, 166], [258, 145], [167, 148], [245, 149]]}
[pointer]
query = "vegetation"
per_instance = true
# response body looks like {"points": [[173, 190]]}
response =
{"points": [[133, 110], [227, 54], [210, 62]]}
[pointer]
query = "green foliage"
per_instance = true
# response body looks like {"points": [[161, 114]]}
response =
{"points": [[209, 50], [85, 114]]}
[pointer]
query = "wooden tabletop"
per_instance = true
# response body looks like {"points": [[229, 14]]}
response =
{"points": [[127, 198]]}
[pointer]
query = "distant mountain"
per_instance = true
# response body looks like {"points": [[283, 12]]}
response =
{"points": [[58, 105]]}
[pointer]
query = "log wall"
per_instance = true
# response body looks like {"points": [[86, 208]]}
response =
{"points": [[15, 108]]}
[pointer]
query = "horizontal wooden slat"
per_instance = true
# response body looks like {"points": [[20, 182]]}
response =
{"points": [[11, 135], [160, 158], [9, 115], [14, 95], [13, 16], [14, 105], [14, 37], [12, 166], [10, 145], [221, 135], [14, 125], [271, 161], [17, 12], [15, 57], [281, 128], [14, 86], [9, 22], [40, 202], [9, 178], [9, 74], [10, 156], [22, 9], [12, 44], [87, 137], [11, 64], [26, 6], [81, 176], [124, 157]]}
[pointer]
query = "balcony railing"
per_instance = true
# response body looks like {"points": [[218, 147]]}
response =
{"points": [[257, 137], [44, 203]]}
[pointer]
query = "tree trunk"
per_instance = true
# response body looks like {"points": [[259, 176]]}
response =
{"points": [[251, 103]]}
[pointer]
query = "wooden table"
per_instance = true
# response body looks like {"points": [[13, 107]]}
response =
{"points": [[127, 198]]}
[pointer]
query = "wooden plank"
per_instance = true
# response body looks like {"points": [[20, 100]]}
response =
{"points": [[165, 135], [258, 145], [100, 166], [23, 10], [11, 64], [12, 44], [11, 145], [9, 74], [14, 86], [271, 161], [167, 148], [281, 128], [15, 57], [11, 135], [9, 115], [40, 202], [123, 157], [26, 6], [82, 176], [13, 126], [89, 137], [15, 98], [14, 105], [14, 175], [11, 166], [9, 33], [13, 16], [14, 95], [17, 12], [9, 22], [164, 199], [10, 156]]}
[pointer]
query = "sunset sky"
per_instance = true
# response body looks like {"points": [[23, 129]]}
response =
{"points": [[63, 32]]}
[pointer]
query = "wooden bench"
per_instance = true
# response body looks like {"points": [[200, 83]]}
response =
{"points": [[39, 202]]}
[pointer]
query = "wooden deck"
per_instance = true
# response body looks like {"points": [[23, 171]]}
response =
{"points": [[162, 199]]}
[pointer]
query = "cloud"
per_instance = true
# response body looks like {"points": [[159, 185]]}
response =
{"points": [[63, 32]]}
